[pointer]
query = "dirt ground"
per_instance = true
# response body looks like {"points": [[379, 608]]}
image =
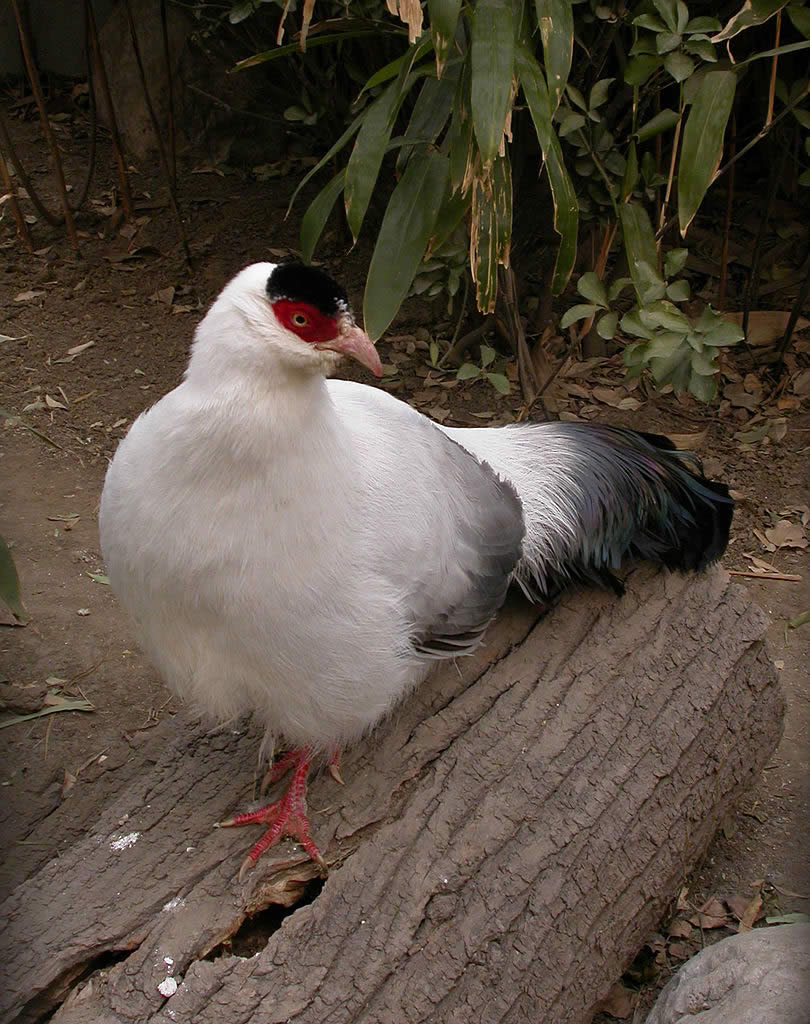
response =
{"points": [[89, 340]]}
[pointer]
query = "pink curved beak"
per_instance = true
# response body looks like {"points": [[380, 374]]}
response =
{"points": [[355, 343]]}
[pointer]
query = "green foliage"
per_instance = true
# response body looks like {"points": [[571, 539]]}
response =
{"points": [[637, 122], [488, 371], [676, 348]]}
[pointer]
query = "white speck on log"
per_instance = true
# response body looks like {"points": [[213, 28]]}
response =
{"points": [[123, 842], [167, 987]]}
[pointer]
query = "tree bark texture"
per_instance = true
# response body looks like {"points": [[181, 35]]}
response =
{"points": [[501, 849]]}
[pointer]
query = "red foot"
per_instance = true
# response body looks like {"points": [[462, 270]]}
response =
{"points": [[285, 817]]}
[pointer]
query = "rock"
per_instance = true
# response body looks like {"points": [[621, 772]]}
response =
{"points": [[757, 977]]}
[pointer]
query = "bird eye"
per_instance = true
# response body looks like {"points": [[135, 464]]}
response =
{"points": [[300, 320]]}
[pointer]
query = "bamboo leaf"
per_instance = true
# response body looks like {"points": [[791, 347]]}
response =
{"points": [[556, 21], [314, 220], [433, 107], [639, 243], [10, 585], [490, 230], [661, 122], [277, 52], [492, 59], [341, 142], [367, 154], [443, 21], [752, 12], [67, 705], [703, 142], [566, 208], [404, 235]]}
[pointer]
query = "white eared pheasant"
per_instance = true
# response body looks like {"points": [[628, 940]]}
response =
{"points": [[307, 549]]}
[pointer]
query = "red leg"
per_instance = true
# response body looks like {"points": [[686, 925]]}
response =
{"points": [[285, 817], [278, 769]]}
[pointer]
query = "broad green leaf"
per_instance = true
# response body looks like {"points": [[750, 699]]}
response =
{"points": [[606, 327], [10, 585], [403, 238], [725, 333], [702, 48], [443, 21], [367, 154], [487, 355], [661, 122], [634, 354], [679, 66], [703, 142], [702, 24], [702, 387], [499, 382], [752, 12], [490, 230], [640, 67], [650, 22], [639, 243], [800, 16], [668, 10], [579, 312], [678, 291], [599, 93], [704, 365], [675, 261], [570, 123], [467, 371], [666, 42], [492, 59], [664, 314], [555, 19], [314, 220], [590, 287], [576, 97], [618, 286], [665, 344], [631, 324], [566, 208]]}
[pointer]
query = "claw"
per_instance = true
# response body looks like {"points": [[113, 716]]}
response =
{"points": [[284, 817], [334, 771]]}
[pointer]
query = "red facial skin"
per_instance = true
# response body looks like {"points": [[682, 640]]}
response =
{"points": [[307, 322]]}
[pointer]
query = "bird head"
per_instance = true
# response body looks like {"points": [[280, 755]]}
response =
{"points": [[287, 316]]}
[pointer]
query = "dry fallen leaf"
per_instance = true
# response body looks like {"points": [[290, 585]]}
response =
{"points": [[766, 325], [739, 397], [711, 915], [617, 1003], [52, 403], [28, 295], [680, 929], [786, 535], [164, 295], [751, 913], [688, 442]]}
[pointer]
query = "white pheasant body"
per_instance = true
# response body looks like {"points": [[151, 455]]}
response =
{"points": [[303, 549]]}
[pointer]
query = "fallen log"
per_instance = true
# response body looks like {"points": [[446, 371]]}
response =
{"points": [[501, 849]]}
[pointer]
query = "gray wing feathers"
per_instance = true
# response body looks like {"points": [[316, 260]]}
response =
{"points": [[488, 546]]}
